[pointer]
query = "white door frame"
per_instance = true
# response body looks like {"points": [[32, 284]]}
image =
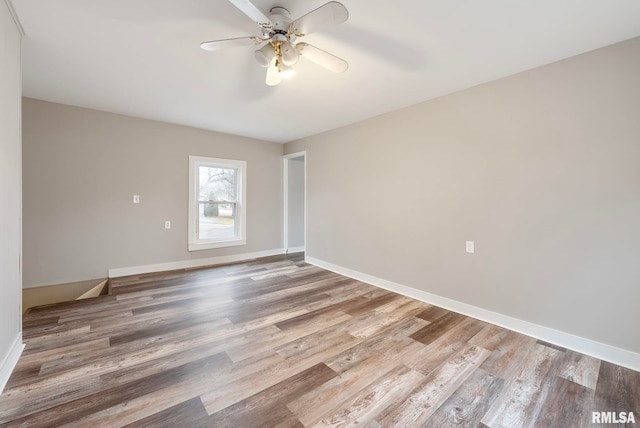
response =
{"points": [[285, 180]]}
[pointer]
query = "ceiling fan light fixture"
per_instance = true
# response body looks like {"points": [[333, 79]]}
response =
{"points": [[290, 54], [265, 55], [273, 73], [286, 71]]}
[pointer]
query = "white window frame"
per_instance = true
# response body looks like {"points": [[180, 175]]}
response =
{"points": [[196, 244]]}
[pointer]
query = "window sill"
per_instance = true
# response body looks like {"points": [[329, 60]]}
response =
{"points": [[197, 246]]}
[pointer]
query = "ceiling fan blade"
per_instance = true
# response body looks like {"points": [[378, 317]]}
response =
{"points": [[252, 12], [322, 58], [216, 45], [273, 74], [325, 16]]}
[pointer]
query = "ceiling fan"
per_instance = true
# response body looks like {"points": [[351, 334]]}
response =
{"points": [[280, 51]]}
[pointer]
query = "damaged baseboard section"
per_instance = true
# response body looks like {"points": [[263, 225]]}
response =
{"points": [[49, 294]]}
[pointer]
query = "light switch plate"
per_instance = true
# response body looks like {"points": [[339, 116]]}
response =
{"points": [[470, 247]]}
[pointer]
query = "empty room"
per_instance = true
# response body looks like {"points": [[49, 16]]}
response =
{"points": [[257, 213]]}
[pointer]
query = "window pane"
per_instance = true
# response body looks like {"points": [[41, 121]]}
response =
{"points": [[216, 221], [216, 203], [216, 184]]}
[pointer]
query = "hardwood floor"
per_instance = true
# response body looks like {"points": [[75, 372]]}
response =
{"points": [[277, 342]]}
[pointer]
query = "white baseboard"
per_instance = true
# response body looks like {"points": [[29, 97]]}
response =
{"points": [[10, 361], [619, 356], [193, 263], [295, 250]]}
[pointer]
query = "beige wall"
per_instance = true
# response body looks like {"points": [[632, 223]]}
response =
{"points": [[540, 169], [81, 170], [10, 167]]}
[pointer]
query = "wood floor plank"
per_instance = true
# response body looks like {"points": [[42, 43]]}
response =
{"points": [[190, 413], [105, 405], [312, 406], [348, 287], [618, 390], [311, 343], [268, 407], [160, 327], [506, 359], [31, 325], [252, 312], [105, 310], [388, 317], [276, 272], [491, 337], [375, 344], [329, 286], [373, 303], [564, 405], [29, 366], [440, 350], [365, 405], [122, 355], [18, 409], [522, 399], [105, 364], [56, 335], [281, 337], [281, 343], [323, 317], [468, 404], [437, 328], [432, 313], [425, 399], [66, 338], [54, 309], [580, 368], [258, 288], [144, 397], [269, 375]]}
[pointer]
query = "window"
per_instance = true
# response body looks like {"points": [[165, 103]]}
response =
{"points": [[217, 195]]}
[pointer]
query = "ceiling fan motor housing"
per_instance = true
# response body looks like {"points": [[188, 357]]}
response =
{"points": [[280, 19]]}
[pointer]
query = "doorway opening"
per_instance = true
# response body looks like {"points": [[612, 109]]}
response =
{"points": [[295, 202]]}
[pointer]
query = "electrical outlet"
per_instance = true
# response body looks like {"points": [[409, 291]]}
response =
{"points": [[136, 199], [470, 247], [167, 224]]}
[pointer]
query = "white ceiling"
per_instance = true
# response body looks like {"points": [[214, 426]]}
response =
{"points": [[142, 57]]}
